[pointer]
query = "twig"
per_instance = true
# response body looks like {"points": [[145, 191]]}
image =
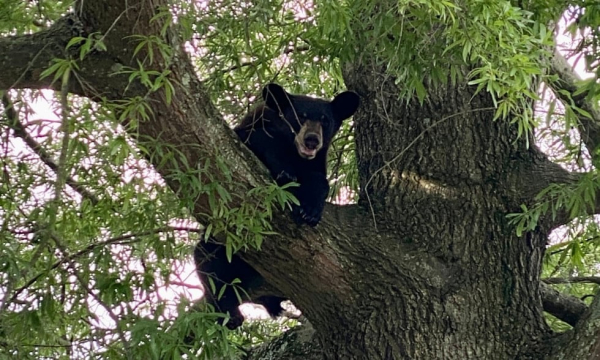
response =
{"points": [[566, 90], [573, 280], [122, 239], [95, 296], [254, 63], [19, 130]]}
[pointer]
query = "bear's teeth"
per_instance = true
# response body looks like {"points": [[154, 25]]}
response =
{"points": [[308, 152]]}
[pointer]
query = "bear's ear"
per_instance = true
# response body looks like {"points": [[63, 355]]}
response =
{"points": [[344, 105], [276, 97]]}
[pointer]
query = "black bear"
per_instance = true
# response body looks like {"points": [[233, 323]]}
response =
{"points": [[211, 262], [290, 134]]}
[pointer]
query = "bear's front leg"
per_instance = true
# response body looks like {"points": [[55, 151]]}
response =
{"points": [[284, 176], [311, 194]]}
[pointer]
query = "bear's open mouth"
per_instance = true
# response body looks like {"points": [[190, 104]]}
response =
{"points": [[306, 152]]}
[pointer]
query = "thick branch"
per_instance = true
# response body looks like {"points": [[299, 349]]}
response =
{"points": [[566, 308], [29, 55], [584, 341], [565, 89], [536, 175], [296, 344], [539, 174]]}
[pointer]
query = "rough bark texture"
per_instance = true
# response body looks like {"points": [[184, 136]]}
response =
{"points": [[424, 267], [449, 203], [584, 341]]}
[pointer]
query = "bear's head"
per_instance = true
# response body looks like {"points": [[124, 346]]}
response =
{"points": [[313, 121]]}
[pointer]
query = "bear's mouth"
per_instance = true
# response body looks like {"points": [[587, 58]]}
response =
{"points": [[309, 140], [305, 152]]}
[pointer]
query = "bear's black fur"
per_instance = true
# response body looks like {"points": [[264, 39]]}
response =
{"points": [[290, 134], [211, 262]]}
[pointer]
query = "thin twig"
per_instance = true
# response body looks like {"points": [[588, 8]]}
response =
{"points": [[573, 280], [19, 130], [95, 296], [122, 239]]}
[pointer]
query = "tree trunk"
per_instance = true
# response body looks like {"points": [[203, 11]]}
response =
{"points": [[424, 267], [438, 178]]}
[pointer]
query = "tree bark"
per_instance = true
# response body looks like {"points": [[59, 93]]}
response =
{"points": [[566, 308], [426, 266], [449, 202], [583, 342]]}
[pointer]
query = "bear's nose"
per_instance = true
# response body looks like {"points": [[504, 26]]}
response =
{"points": [[311, 141]]}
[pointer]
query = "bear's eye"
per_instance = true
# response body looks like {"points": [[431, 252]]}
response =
{"points": [[325, 123]]}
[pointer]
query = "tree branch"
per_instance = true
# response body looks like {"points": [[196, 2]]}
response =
{"points": [[543, 170], [287, 51], [295, 344], [565, 89], [545, 173], [69, 258], [530, 180], [15, 124], [573, 280], [564, 307], [29, 55], [583, 342]]}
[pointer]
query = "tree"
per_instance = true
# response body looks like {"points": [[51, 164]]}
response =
{"points": [[439, 257]]}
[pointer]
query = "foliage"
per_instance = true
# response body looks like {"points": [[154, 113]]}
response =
{"points": [[84, 272]]}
